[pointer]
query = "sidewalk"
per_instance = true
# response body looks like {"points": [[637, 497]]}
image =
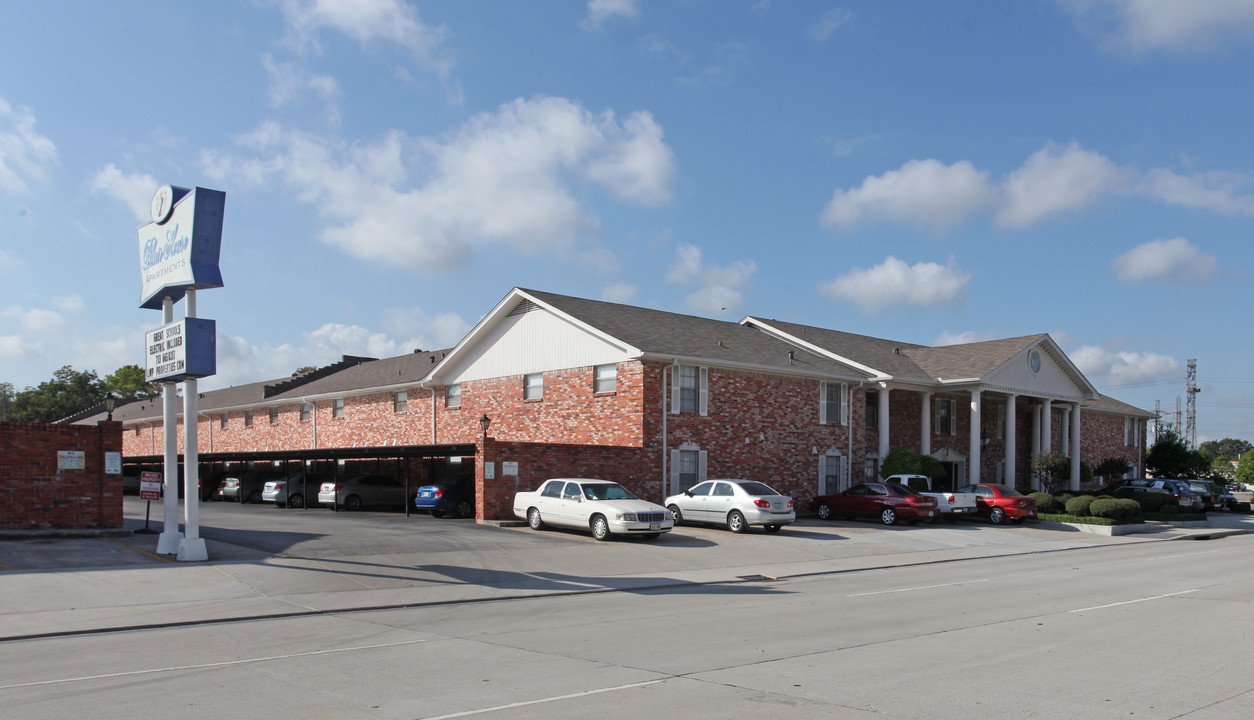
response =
{"points": [[122, 584]]}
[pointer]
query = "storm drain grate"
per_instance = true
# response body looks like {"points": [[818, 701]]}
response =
{"points": [[756, 578]]}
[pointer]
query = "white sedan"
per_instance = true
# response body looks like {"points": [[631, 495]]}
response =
{"points": [[601, 506], [738, 504]]}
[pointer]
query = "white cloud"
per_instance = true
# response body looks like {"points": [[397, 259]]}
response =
{"points": [[288, 83], [829, 22], [367, 21], [962, 338], [894, 282], [502, 177], [1210, 191], [134, 191], [72, 303], [10, 263], [602, 11], [423, 331], [1055, 180], [619, 292], [922, 193], [1176, 260], [721, 285], [1113, 368], [35, 320], [13, 347], [25, 155], [1143, 25]]}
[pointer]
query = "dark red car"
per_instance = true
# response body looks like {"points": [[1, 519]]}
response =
{"points": [[1001, 502], [889, 502]]}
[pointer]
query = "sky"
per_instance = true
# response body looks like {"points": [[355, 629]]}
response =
{"points": [[926, 172]]}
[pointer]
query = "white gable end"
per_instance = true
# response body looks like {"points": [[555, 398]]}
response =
{"points": [[1038, 372], [530, 342]]}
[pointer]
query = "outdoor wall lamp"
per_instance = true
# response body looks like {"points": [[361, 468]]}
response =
{"points": [[110, 402], [985, 439], [484, 423]]}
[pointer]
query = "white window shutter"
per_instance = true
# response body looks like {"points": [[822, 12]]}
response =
{"points": [[822, 403], [704, 398], [701, 455], [844, 404], [674, 472], [822, 473], [936, 416], [674, 390]]}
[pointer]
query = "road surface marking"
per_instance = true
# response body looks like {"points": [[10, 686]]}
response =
{"points": [[912, 589], [555, 698], [1129, 602]]}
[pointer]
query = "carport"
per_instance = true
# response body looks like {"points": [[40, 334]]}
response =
{"points": [[414, 465]]}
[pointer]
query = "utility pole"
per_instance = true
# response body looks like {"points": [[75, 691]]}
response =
{"points": [[1190, 403]]}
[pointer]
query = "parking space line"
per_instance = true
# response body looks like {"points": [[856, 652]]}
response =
{"points": [[912, 589], [555, 698], [1129, 602]]}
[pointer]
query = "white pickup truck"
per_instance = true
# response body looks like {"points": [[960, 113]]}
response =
{"points": [[951, 504]]}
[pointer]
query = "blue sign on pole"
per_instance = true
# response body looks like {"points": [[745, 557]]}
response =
{"points": [[178, 250]]}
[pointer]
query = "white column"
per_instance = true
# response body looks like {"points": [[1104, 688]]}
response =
{"points": [[1075, 447], [1010, 440], [925, 442], [973, 466], [1036, 442], [192, 547], [168, 540], [883, 421]]}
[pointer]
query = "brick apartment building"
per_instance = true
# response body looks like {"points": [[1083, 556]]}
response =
{"points": [[659, 401]]}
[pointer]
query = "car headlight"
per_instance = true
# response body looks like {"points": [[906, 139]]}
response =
{"points": [[625, 517]]}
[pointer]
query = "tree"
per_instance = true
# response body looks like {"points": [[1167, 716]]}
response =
{"points": [[1053, 469], [1222, 469], [1245, 468], [1112, 468], [129, 383], [1227, 449], [1170, 457], [67, 393], [304, 370], [6, 400], [900, 461]]}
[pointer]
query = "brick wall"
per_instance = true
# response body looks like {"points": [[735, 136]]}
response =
{"points": [[35, 494]]}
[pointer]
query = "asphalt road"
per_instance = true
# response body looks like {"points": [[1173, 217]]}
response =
{"points": [[1147, 630]]}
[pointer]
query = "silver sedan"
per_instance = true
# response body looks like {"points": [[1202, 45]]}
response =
{"points": [[738, 504]]}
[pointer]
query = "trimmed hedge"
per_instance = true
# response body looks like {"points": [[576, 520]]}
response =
{"points": [[1079, 505], [1115, 508], [1044, 501]]}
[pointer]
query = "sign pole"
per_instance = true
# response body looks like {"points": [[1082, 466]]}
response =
{"points": [[192, 546], [168, 541]]}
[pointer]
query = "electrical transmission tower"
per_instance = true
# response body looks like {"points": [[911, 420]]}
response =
{"points": [[1190, 404]]}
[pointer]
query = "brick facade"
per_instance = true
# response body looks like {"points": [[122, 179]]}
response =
{"points": [[35, 494]]}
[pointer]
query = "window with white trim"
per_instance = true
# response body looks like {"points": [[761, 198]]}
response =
{"points": [[274, 416], [1001, 422], [829, 473], [533, 386], [871, 469], [689, 388], [832, 403], [337, 408], [306, 410], [1130, 437], [401, 403], [688, 467], [944, 422], [453, 396], [248, 418], [605, 378], [223, 421]]}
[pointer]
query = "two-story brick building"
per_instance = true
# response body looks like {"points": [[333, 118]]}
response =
{"points": [[659, 400]]}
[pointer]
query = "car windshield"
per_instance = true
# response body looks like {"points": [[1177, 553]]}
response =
{"points": [[757, 488], [607, 491]]}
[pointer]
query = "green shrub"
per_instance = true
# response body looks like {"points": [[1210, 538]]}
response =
{"points": [[1241, 507], [1115, 508], [1150, 502], [1044, 501], [1079, 505], [1170, 508], [1063, 498]]}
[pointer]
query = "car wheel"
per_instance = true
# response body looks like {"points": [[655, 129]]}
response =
{"points": [[437, 513], [676, 515], [254, 496], [600, 527], [888, 516], [352, 502], [997, 516], [465, 509], [296, 501], [533, 519], [736, 522], [772, 528], [825, 511]]}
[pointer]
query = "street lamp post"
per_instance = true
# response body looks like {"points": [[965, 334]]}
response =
{"points": [[110, 402]]}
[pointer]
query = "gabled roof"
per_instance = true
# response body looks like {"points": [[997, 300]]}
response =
{"points": [[967, 360]]}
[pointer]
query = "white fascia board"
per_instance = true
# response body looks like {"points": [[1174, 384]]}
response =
{"points": [[502, 309], [748, 367], [876, 375]]}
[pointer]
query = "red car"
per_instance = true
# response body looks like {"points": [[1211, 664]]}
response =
{"points": [[887, 501], [999, 502]]}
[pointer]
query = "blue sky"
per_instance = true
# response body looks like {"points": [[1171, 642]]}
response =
{"points": [[922, 171]]}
